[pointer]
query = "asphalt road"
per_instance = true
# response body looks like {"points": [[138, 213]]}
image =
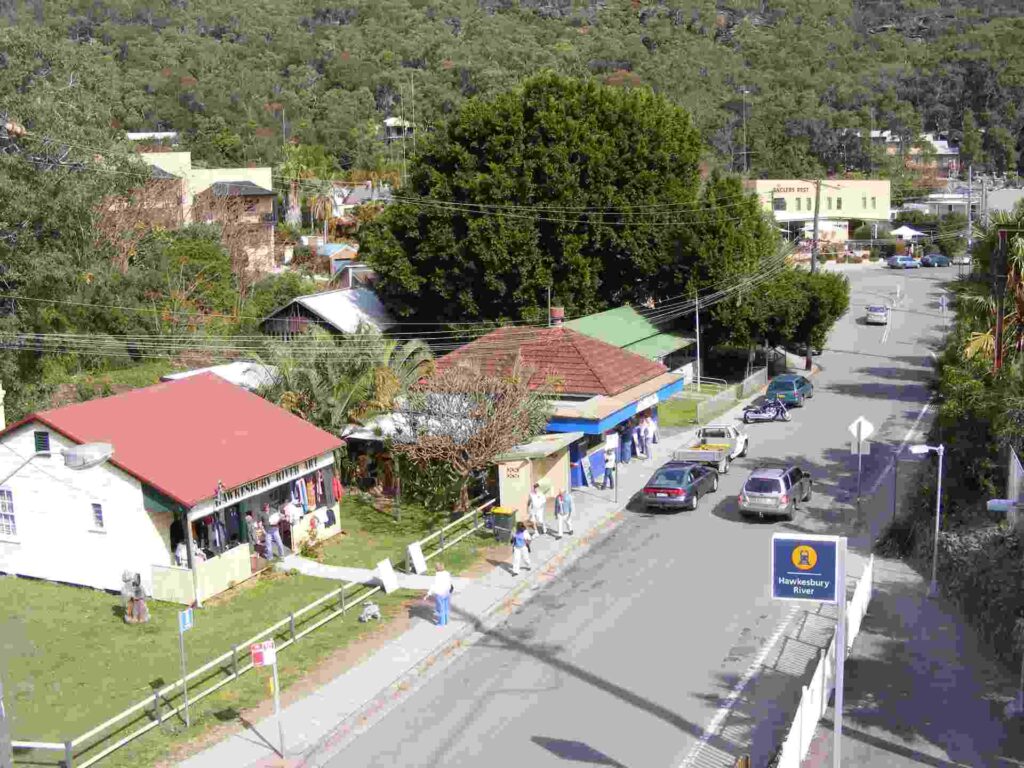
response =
{"points": [[627, 658]]}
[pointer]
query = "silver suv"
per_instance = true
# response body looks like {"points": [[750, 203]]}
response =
{"points": [[776, 492]]}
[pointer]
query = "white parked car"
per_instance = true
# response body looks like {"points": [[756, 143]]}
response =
{"points": [[877, 314], [962, 259]]}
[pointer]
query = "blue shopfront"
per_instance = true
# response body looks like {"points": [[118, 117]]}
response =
{"points": [[600, 417]]}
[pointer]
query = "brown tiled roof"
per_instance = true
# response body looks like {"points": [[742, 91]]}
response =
{"points": [[581, 365]]}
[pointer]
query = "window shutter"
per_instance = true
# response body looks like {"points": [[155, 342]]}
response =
{"points": [[42, 442]]}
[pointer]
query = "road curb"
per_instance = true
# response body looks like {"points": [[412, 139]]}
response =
{"points": [[392, 694]]}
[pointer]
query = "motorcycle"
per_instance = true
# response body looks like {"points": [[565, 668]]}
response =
{"points": [[769, 410]]}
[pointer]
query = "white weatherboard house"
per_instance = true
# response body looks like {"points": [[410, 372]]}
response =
{"points": [[190, 458]]}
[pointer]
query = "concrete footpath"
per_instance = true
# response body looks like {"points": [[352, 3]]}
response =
{"points": [[920, 690], [322, 724]]}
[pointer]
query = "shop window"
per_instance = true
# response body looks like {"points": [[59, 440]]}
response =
{"points": [[872, 203], [839, 203], [42, 442], [7, 524], [798, 203], [97, 517], [779, 204]]}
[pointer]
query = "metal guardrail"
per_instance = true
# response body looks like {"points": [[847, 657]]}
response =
{"points": [[152, 707]]}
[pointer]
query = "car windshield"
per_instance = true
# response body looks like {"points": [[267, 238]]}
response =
{"points": [[670, 477], [782, 385], [715, 434], [876, 309], [762, 485]]}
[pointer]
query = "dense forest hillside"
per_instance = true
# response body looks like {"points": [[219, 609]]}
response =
{"points": [[237, 76]]}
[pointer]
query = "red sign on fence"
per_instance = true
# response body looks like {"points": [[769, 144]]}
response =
{"points": [[263, 654]]}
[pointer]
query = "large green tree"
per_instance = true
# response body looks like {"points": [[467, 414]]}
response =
{"points": [[559, 183]]}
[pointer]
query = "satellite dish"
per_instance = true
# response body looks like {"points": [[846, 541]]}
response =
{"points": [[87, 455]]}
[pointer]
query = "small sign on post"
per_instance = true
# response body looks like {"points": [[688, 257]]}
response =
{"points": [[861, 429], [265, 655], [387, 577], [419, 563], [186, 620], [813, 568]]}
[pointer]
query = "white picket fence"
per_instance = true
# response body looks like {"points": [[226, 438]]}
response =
{"points": [[816, 695]]}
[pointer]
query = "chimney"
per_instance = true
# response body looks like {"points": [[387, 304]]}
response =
{"points": [[557, 316]]}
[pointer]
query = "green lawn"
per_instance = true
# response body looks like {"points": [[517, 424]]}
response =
{"points": [[682, 412], [69, 661], [373, 535]]}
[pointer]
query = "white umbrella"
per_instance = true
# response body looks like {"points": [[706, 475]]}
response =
{"points": [[907, 233]]}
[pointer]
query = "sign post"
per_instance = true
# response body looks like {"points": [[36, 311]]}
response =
{"points": [[861, 430], [813, 568], [186, 619], [265, 654]]}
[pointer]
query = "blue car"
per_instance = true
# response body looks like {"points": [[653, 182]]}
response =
{"points": [[935, 260], [790, 388], [903, 262]]}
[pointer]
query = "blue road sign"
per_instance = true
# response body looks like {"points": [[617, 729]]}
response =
{"points": [[804, 567], [185, 620]]}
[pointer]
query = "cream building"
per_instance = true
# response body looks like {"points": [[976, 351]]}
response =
{"points": [[791, 202]]}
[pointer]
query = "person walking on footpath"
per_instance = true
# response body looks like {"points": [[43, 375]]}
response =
{"points": [[520, 548], [274, 540], [609, 469], [563, 511], [538, 501], [441, 589]]}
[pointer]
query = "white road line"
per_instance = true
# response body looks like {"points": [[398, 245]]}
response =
{"points": [[906, 439], [723, 712]]}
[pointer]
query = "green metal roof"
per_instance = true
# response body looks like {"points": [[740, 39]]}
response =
{"points": [[627, 329]]}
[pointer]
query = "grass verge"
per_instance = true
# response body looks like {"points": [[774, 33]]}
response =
{"points": [[69, 661], [682, 411]]}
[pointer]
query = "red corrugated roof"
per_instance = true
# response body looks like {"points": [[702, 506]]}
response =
{"points": [[183, 436], [581, 364]]}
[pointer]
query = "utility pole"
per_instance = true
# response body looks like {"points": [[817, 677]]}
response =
{"points": [[814, 242], [697, 300], [970, 208]]}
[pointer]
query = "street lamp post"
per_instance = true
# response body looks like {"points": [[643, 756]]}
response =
{"points": [[933, 588]]}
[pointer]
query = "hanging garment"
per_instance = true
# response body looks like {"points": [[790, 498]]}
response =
{"points": [[292, 491], [300, 494], [220, 538], [310, 493], [336, 487], [320, 487]]}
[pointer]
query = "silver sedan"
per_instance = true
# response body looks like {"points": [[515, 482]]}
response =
{"points": [[877, 315]]}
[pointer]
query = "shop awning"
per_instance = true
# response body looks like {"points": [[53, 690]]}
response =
{"points": [[540, 447], [599, 414]]}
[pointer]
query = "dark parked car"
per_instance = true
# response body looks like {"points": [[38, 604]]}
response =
{"points": [[935, 260], [776, 492], [679, 485], [790, 388]]}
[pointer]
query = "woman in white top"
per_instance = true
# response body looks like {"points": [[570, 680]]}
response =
{"points": [[441, 589]]}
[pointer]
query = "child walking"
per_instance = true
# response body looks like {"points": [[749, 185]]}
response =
{"points": [[520, 548]]}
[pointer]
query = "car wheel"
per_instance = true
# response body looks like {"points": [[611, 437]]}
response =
{"points": [[746, 445], [800, 401], [723, 468], [789, 515], [695, 499], [714, 483]]}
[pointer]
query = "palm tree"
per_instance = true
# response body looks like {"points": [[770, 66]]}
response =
{"points": [[303, 162], [335, 382]]}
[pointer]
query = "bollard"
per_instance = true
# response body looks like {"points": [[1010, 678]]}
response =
{"points": [[291, 625], [234, 659], [69, 755], [156, 707], [343, 608]]}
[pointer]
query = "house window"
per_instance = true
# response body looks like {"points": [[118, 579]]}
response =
{"points": [[839, 203], [829, 203], [863, 202], [808, 203], [872, 203], [42, 439], [250, 206], [97, 516], [7, 526], [798, 203], [779, 204]]}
